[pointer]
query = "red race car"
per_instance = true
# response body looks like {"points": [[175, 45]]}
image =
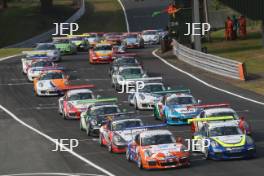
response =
{"points": [[101, 53]]}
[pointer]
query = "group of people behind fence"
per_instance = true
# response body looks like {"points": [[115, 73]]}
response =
{"points": [[235, 26]]}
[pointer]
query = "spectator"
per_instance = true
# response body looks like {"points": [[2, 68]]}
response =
{"points": [[235, 27], [242, 26], [228, 28]]}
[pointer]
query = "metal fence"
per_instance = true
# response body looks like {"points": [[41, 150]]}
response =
{"points": [[209, 62], [44, 37]]}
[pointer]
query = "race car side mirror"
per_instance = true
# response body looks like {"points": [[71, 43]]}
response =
{"points": [[98, 96], [199, 101], [168, 88]]}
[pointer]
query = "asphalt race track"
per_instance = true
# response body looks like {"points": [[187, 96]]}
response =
{"points": [[24, 151]]}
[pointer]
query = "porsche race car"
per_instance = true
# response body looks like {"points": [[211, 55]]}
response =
{"points": [[80, 42], [75, 101], [132, 40], [174, 107], [50, 49], [157, 149], [95, 115], [116, 133], [51, 82], [151, 36], [37, 67], [64, 45], [101, 53], [226, 140]]}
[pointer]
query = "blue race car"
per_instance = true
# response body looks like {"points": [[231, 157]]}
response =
{"points": [[175, 108]]}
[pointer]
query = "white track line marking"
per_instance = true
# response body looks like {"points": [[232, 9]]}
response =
{"points": [[125, 14], [56, 142], [5, 58], [203, 82], [16, 84], [50, 173]]}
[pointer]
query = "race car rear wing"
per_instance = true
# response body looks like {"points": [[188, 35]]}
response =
{"points": [[148, 79], [207, 106], [188, 91], [47, 68], [73, 87], [100, 100], [32, 53], [147, 126], [223, 118], [124, 55]]}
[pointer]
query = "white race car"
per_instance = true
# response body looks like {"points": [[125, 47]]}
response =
{"points": [[145, 98], [151, 36], [37, 67], [126, 75], [30, 57], [52, 52], [213, 112], [74, 102]]}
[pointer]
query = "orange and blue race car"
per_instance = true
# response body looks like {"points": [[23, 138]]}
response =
{"points": [[157, 149], [101, 53], [50, 82]]}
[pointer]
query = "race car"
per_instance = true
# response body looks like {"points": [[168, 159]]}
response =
{"points": [[151, 36], [157, 149], [64, 45], [94, 117], [51, 51], [174, 107], [74, 101], [101, 53], [116, 133], [132, 40], [125, 75], [37, 67], [146, 97], [80, 42], [93, 38], [211, 111], [50, 82], [225, 140], [123, 60], [113, 38], [30, 57]]}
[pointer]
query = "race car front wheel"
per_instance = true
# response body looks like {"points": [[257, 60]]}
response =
{"points": [[128, 157], [139, 163], [101, 140], [88, 129], [109, 146]]}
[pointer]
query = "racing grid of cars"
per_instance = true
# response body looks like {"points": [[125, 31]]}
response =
{"points": [[218, 126]]}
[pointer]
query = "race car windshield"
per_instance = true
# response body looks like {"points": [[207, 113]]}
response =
{"points": [[81, 96], [224, 131], [223, 114], [181, 101], [104, 47], [45, 47], [42, 64], [105, 110], [157, 139], [126, 124], [50, 76], [132, 71], [152, 88], [150, 33]]}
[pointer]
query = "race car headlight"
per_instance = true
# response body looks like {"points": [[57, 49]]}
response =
{"points": [[142, 96], [214, 144], [249, 140], [118, 139], [93, 122], [147, 153], [40, 84]]}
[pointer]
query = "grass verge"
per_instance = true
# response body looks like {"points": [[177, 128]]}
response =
{"points": [[249, 51], [24, 19], [4, 52]]}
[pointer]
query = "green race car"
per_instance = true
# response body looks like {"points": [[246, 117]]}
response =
{"points": [[65, 45], [80, 42]]}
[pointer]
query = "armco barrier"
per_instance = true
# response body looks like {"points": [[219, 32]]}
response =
{"points": [[47, 35], [209, 62]]}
